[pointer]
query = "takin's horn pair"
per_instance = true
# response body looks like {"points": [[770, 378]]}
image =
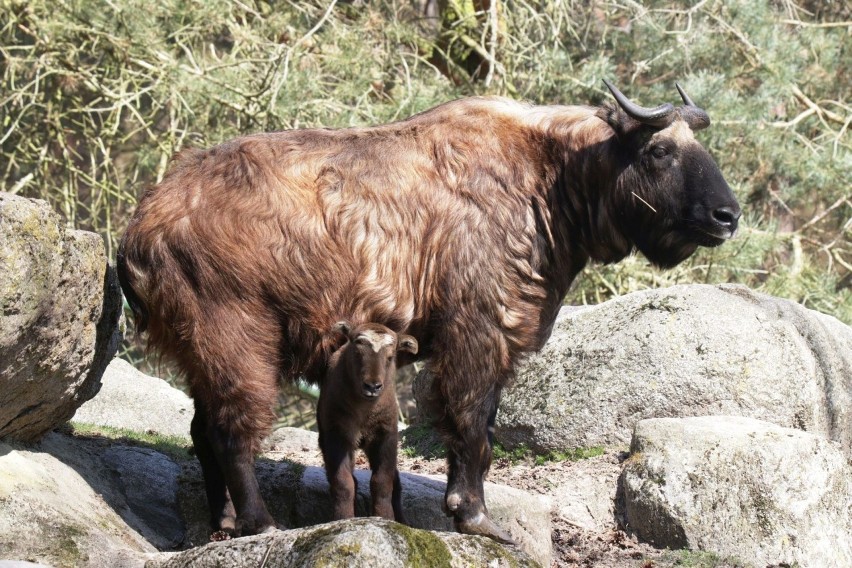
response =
{"points": [[664, 114]]}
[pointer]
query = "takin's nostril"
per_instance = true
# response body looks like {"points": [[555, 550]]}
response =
{"points": [[726, 216]]}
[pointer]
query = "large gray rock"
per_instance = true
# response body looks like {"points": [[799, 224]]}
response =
{"points": [[299, 496], [525, 516], [681, 351], [586, 500], [78, 501], [740, 488], [149, 483], [134, 401], [355, 543], [59, 310], [58, 506]]}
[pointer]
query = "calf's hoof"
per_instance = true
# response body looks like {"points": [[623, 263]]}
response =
{"points": [[482, 525]]}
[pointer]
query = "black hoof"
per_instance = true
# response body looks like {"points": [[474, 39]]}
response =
{"points": [[482, 525]]}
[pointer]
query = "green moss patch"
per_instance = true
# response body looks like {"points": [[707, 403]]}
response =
{"points": [[422, 441], [425, 549], [697, 559], [523, 453]]}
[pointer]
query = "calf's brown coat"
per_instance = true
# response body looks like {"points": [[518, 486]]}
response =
{"points": [[357, 408]]}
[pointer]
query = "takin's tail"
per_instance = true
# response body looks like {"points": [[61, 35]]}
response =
{"points": [[140, 312]]}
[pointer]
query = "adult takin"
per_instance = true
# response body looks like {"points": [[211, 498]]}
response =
{"points": [[462, 226], [357, 408]]}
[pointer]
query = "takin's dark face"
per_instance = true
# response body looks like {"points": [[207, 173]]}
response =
{"points": [[372, 353], [676, 195]]}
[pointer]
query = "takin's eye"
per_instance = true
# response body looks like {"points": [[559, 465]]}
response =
{"points": [[659, 151]]}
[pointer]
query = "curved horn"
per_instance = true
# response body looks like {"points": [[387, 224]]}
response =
{"points": [[695, 117], [686, 100], [659, 116]]}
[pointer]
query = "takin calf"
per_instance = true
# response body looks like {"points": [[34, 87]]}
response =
{"points": [[462, 226], [358, 409]]}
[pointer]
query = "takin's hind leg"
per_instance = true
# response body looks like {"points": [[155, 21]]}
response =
{"points": [[223, 517], [241, 420], [237, 458], [238, 390]]}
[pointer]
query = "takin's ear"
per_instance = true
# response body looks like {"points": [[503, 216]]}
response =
{"points": [[406, 350], [407, 344], [626, 127]]}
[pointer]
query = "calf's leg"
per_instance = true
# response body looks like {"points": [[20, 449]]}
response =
{"points": [[385, 487], [338, 458]]}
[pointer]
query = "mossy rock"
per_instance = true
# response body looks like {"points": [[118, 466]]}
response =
{"points": [[362, 542], [60, 306]]}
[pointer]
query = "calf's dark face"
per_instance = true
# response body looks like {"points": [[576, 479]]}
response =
{"points": [[372, 365], [676, 197], [372, 353]]}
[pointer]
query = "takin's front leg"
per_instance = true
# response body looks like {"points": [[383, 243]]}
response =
{"points": [[385, 487], [469, 405], [469, 459], [339, 463]]}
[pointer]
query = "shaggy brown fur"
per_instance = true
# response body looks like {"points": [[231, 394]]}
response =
{"points": [[462, 226], [358, 409]]}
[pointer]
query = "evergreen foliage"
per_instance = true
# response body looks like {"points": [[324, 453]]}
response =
{"points": [[96, 95]]}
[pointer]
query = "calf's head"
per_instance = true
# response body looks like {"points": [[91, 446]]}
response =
{"points": [[369, 355], [670, 196]]}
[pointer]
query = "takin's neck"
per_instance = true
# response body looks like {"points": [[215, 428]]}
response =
{"points": [[572, 163], [583, 197]]}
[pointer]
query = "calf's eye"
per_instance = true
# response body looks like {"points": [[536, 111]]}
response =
{"points": [[659, 152]]}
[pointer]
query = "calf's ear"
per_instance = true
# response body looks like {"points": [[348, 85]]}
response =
{"points": [[407, 344], [406, 350], [342, 326], [339, 334]]}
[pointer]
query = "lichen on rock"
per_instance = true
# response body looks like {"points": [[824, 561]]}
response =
{"points": [[60, 306]]}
